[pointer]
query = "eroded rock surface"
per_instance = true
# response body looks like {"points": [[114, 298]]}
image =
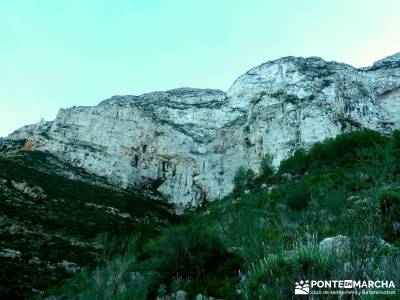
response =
{"points": [[188, 143]]}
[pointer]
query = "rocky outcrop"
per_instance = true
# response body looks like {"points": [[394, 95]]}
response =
{"points": [[337, 245], [188, 143]]}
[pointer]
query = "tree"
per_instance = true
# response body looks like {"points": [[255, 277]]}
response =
{"points": [[243, 179]]}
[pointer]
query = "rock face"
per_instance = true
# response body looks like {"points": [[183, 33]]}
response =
{"points": [[189, 142]]}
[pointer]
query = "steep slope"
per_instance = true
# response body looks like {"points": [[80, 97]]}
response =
{"points": [[189, 142], [53, 217]]}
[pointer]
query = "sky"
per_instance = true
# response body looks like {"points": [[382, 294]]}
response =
{"points": [[57, 54]]}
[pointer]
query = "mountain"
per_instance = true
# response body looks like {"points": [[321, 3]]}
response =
{"points": [[190, 141], [302, 154]]}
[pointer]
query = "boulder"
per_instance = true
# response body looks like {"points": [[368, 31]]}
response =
{"points": [[338, 245]]}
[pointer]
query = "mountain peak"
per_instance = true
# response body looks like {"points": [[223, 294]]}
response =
{"points": [[389, 60]]}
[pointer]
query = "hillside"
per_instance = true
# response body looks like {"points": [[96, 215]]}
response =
{"points": [[55, 219], [332, 212]]}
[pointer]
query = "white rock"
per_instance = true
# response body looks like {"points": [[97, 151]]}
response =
{"points": [[338, 245], [34, 192], [69, 267], [194, 140], [10, 253], [180, 295]]}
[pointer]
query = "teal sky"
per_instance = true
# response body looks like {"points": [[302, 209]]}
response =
{"points": [[57, 54]]}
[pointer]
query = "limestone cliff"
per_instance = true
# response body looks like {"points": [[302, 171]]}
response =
{"points": [[188, 143]]}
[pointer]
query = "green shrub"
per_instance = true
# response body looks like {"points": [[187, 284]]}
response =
{"points": [[344, 148], [72, 286], [198, 259], [396, 150], [337, 151], [396, 142], [390, 210], [390, 204], [274, 276], [296, 195], [266, 171], [298, 163], [243, 179]]}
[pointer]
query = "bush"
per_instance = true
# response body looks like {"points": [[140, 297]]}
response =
{"points": [[296, 195], [337, 151], [266, 172], [243, 179], [390, 210], [298, 163], [344, 148], [390, 204], [196, 258], [396, 150], [396, 142], [274, 277]]}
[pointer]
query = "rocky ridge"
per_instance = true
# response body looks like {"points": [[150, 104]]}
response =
{"points": [[187, 143]]}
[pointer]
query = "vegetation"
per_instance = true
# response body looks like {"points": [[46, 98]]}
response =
{"points": [[58, 224], [258, 241]]}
